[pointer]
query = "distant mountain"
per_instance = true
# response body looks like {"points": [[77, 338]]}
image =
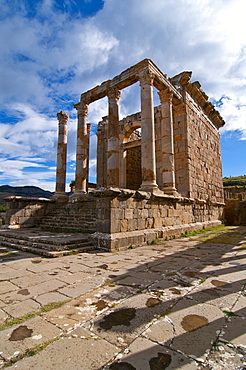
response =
{"points": [[23, 191]]}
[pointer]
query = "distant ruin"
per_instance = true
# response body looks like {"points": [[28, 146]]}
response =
{"points": [[158, 171]]}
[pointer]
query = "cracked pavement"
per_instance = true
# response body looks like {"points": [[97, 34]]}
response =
{"points": [[174, 304]]}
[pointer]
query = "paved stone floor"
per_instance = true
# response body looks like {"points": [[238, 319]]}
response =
{"points": [[177, 304]]}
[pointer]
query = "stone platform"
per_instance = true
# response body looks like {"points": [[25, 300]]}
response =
{"points": [[174, 304], [45, 243]]}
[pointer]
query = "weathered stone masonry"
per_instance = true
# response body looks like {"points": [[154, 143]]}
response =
{"points": [[158, 171]]}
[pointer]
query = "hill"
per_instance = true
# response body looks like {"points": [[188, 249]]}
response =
{"points": [[234, 181], [23, 191]]}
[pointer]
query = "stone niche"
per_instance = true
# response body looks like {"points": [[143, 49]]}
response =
{"points": [[158, 170]]}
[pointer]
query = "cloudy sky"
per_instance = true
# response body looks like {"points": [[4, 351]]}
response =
{"points": [[52, 50]]}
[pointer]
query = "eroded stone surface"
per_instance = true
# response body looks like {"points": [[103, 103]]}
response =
{"points": [[144, 354], [17, 339], [71, 353]]}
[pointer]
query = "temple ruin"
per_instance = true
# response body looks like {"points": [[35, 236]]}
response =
{"points": [[158, 170]]}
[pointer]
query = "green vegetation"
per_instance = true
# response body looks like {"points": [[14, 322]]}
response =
{"points": [[3, 208], [234, 181], [43, 309], [229, 313], [215, 230], [30, 352]]}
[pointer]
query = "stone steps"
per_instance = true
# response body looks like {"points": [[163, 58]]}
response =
{"points": [[60, 246], [75, 222]]}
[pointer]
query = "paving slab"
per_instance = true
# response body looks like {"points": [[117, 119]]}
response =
{"points": [[3, 316], [50, 297], [45, 287], [10, 273], [7, 286], [82, 287], [122, 324], [234, 331], [22, 308], [144, 354], [32, 279], [196, 327], [17, 339], [70, 353]]}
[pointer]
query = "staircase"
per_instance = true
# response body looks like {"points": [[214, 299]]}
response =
{"points": [[44, 242], [71, 218]]}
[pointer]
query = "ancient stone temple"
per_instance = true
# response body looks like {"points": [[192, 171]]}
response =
{"points": [[158, 170]]}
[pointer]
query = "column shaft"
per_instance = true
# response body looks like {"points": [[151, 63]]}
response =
{"points": [[82, 161], [113, 138], [148, 161], [167, 147], [61, 154]]}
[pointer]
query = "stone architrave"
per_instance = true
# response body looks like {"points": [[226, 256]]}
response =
{"points": [[113, 138], [148, 161], [61, 156], [82, 149], [167, 147]]}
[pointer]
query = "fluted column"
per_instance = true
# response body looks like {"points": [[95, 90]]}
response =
{"points": [[61, 155], [148, 161], [82, 160], [113, 138], [167, 146]]}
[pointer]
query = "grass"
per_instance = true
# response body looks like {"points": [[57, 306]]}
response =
{"points": [[215, 230], [229, 313], [30, 315], [170, 274], [30, 352]]}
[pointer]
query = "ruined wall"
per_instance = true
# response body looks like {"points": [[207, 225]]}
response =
{"points": [[204, 160], [235, 212], [25, 212], [136, 220], [133, 168]]}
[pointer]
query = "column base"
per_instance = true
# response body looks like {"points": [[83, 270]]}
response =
{"points": [[60, 196], [170, 190], [78, 196], [149, 187]]}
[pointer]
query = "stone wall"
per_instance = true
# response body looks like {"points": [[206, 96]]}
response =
{"points": [[133, 168], [142, 217], [25, 212], [235, 192], [235, 212], [204, 159]]}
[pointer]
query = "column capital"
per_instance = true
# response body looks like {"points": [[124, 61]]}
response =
{"points": [[114, 93], [165, 95], [82, 108], [146, 77], [62, 117]]}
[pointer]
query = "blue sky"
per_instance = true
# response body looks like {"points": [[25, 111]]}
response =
{"points": [[52, 50]]}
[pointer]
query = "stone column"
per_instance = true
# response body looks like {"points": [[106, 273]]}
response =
{"points": [[113, 138], [167, 147], [61, 156], [148, 161], [88, 154], [82, 149]]}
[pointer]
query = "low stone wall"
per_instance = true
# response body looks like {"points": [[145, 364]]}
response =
{"points": [[25, 212], [235, 212]]}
